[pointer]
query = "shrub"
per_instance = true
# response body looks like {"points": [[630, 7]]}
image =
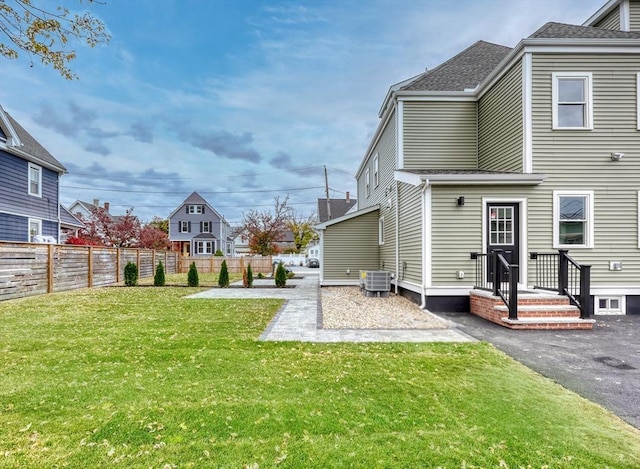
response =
{"points": [[281, 276], [219, 253], [223, 278], [130, 274], [158, 278], [260, 275], [249, 276], [290, 275], [192, 276]]}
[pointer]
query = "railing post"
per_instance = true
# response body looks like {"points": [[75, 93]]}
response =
{"points": [[513, 291], [585, 292], [563, 271], [497, 270]]}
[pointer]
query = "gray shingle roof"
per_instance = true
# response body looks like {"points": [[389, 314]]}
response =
{"points": [[31, 146], [463, 71], [338, 208], [570, 31], [68, 219]]}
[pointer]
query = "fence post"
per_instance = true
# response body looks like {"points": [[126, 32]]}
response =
{"points": [[563, 271], [513, 291], [117, 265], [90, 268], [50, 268], [585, 292], [497, 270]]}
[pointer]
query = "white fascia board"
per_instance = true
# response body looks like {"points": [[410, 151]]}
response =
{"points": [[34, 159], [482, 179], [436, 95], [408, 178], [13, 139], [563, 46], [374, 141], [602, 12], [346, 217]]}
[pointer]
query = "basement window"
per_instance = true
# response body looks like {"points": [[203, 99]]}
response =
{"points": [[609, 305]]}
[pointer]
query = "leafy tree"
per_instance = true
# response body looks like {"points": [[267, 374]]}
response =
{"points": [[45, 33], [123, 231], [265, 229], [192, 276], [303, 231], [161, 223], [130, 274], [223, 278], [158, 278], [152, 237]]}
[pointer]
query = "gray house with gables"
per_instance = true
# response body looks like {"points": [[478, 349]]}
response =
{"points": [[29, 187], [196, 228], [508, 170]]}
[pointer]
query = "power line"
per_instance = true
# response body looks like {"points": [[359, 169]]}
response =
{"points": [[200, 192]]}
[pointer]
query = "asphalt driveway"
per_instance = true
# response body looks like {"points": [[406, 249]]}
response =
{"points": [[602, 365]]}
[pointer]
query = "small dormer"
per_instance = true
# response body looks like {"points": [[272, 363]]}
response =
{"points": [[621, 15]]}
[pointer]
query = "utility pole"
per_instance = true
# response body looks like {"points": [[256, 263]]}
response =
{"points": [[326, 189]]}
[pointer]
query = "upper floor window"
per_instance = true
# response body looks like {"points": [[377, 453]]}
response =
{"points": [[367, 183], [184, 226], [205, 227], [195, 208], [376, 177], [572, 95], [573, 219], [35, 180]]}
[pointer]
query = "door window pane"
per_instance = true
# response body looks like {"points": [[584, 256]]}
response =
{"points": [[501, 226]]}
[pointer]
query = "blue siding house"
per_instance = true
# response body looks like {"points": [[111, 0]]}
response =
{"points": [[196, 228], [29, 185]]}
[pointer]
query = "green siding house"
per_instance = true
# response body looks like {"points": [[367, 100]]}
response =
{"points": [[534, 149]]}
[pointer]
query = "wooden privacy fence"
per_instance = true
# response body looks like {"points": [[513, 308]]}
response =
{"points": [[235, 265], [32, 269]]}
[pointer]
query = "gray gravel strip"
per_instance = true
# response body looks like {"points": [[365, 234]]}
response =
{"points": [[298, 319]]}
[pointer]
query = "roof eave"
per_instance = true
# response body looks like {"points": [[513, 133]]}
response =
{"points": [[347, 216], [34, 159], [476, 179], [602, 12]]}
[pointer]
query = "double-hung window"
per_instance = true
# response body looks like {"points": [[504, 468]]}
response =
{"points": [[206, 227], [184, 227], [35, 228], [35, 180], [573, 219], [572, 96], [367, 183], [195, 209]]}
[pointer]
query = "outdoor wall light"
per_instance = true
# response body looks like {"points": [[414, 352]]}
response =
{"points": [[617, 156], [460, 201]]}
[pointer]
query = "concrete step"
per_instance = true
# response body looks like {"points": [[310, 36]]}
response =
{"points": [[555, 323]]}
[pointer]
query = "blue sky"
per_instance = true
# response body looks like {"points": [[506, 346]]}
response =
{"points": [[243, 100]]}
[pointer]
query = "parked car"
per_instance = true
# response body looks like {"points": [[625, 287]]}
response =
{"points": [[313, 263]]}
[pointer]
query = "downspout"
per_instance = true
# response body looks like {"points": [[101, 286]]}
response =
{"points": [[397, 239], [423, 287]]}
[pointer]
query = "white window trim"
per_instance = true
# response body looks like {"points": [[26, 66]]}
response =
{"points": [[588, 78], [195, 209], [367, 183], [609, 312], [182, 225], [589, 242], [381, 231], [37, 222], [39, 169], [204, 245], [206, 227], [376, 171]]}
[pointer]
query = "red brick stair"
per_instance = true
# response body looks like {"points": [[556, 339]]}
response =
{"points": [[535, 311]]}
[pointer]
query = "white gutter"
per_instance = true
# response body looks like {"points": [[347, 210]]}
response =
{"points": [[397, 240], [423, 286]]}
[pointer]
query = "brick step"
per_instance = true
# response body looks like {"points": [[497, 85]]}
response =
{"points": [[543, 311], [544, 299], [555, 323]]}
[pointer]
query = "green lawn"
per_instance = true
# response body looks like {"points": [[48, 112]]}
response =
{"points": [[141, 377]]}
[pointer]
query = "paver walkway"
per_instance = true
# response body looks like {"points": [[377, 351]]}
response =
{"points": [[298, 319]]}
